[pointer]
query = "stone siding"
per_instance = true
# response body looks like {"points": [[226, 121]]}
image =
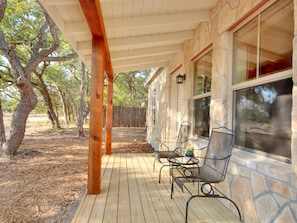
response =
{"points": [[264, 189]]}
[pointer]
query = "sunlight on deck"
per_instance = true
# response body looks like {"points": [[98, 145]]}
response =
{"points": [[131, 193]]}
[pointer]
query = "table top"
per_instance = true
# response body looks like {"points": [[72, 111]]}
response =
{"points": [[184, 160]]}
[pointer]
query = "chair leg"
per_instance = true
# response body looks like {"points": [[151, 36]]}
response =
{"points": [[235, 205], [187, 208], [172, 188], [160, 172], [213, 196]]}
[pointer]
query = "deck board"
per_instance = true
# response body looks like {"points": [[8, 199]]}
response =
{"points": [[130, 192], [124, 201], [156, 195]]}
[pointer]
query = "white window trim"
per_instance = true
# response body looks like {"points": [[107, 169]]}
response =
{"points": [[269, 78], [263, 80], [198, 96]]}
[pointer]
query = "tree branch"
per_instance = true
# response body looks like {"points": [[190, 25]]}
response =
{"points": [[41, 55], [3, 4], [8, 51], [63, 58]]}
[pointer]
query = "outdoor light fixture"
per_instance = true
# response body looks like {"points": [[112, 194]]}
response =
{"points": [[180, 78]]}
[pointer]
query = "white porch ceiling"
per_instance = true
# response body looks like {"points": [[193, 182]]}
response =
{"points": [[140, 33]]}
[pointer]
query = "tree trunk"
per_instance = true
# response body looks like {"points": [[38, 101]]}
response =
{"points": [[80, 119], [40, 50], [2, 127], [48, 102], [51, 119], [64, 104], [18, 124]]}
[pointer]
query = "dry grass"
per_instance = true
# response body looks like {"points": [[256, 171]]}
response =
{"points": [[46, 179]]}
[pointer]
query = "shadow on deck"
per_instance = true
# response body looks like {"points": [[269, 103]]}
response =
{"points": [[130, 192]]}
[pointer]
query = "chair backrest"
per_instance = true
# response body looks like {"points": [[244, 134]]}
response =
{"points": [[183, 136], [218, 154]]}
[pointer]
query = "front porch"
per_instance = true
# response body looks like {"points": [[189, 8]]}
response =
{"points": [[130, 192]]}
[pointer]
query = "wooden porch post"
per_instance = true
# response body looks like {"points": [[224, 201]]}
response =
{"points": [[109, 115], [96, 116], [100, 62]]}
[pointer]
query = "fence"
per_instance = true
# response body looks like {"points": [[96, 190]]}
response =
{"points": [[128, 116]]}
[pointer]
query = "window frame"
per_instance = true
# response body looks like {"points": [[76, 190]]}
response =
{"points": [[201, 95], [259, 80]]}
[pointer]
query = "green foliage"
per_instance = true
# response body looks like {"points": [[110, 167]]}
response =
{"points": [[130, 89], [21, 26]]}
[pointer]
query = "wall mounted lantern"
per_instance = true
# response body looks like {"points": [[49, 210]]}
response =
{"points": [[180, 78]]}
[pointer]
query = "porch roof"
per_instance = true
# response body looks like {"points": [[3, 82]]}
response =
{"points": [[140, 34]]}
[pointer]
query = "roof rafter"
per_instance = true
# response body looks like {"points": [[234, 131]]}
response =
{"points": [[93, 15], [151, 51], [58, 2], [76, 27], [139, 42], [143, 60], [142, 66], [150, 40], [157, 20], [131, 29]]}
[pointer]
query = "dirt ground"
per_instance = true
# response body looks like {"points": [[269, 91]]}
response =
{"points": [[47, 178]]}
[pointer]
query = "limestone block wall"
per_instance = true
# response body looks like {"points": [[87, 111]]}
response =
{"points": [[264, 189], [157, 108]]}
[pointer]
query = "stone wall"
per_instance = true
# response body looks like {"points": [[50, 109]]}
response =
{"points": [[264, 189], [158, 100]]}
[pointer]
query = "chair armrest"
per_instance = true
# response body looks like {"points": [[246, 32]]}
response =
{"points": [[202, 148], [163, 147], [216, 158], [168, 146]]}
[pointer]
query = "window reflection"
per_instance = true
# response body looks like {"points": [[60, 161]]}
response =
{"points": [[276, 34], [202, 88], [202, 72], [202, 116], [264, 45], [263, 117]]}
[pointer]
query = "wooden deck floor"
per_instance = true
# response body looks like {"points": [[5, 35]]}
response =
{"points": [[131, 193]]}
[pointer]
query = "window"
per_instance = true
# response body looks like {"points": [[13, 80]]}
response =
{"points": [[264, 45], [202, 88], [262, 81]]}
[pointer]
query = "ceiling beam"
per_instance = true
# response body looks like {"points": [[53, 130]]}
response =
{"points": [[59, 2], [150, 40], [93, 15], [143, 60], [145, 52], [54, 13], [72, 28], [137, 59], [154, 40], [85, 46], [157, 20], [151, 51], [127, 68]]}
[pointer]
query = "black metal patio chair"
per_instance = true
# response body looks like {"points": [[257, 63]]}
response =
{"points": [[163, 151], [211, 170]]}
